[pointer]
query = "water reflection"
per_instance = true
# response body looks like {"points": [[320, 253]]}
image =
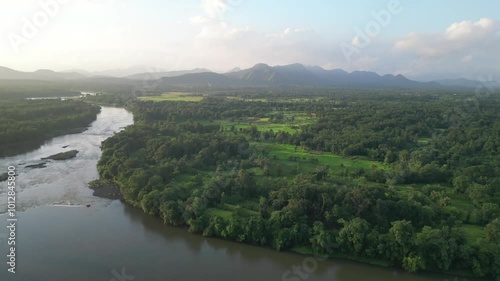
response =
{"points": [[63, 182], [259, 262]]}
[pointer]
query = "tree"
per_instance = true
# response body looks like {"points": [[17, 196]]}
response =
{"points": [[171, 212], [216, 225], [413, 263], [478, 193], [440, 247], [402, 239], [321, 172], [263, 208], [352, 236], [492, 231], [460, 184], [322, 241]]}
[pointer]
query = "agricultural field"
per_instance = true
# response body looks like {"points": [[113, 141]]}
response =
{"points": [[173, 96]]}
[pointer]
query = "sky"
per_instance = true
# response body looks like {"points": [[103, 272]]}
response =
{"points": [[422, 40]]}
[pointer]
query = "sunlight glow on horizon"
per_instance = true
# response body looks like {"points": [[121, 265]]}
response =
{"points": [[219, 35]]}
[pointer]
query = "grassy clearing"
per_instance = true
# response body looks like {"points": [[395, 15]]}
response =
{"points": [[227, 211], [423, 141], [284, 152], [280, 99], [475, 233], [219, 212], [248, 99], [264, 127], [174, 96], [459, 201], [293, 123]]}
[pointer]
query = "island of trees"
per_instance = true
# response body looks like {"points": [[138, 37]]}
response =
{"points": [[396, 179]]}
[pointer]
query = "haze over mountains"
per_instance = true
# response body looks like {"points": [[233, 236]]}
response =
{"points": [[259, 75]]}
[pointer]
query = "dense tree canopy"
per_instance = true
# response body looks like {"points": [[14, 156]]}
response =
{"points": [[28, 123], [425, 199]]}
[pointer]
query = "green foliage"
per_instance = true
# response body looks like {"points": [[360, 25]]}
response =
{"points": [[352, 236], [413, 263], [344, 176], [492, 231], [26, 124]]}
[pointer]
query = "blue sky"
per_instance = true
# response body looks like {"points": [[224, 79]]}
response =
{"points": [[423, 40], [327, 15]]}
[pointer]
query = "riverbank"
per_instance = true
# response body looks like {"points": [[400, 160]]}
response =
{"points": [[105, 189], [28, 127]]}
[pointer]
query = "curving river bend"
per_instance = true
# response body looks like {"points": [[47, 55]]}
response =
{"points": [[112, 241]]}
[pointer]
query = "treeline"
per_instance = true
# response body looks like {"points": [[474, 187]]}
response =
{"points": [[213, 180], [108, 99], [31, 122], [22, 89]]}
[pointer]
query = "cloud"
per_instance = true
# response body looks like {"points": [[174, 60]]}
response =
{"points": [[213, 8], [465, 35], [221, 44], [206, 36], [443, 54], [217, 8], [469, 30]]}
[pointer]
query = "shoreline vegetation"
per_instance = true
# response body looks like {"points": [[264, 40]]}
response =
{"points": [[105, 189], [39, 121], [382, 179]]}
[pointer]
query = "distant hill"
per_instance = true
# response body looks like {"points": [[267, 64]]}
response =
{"points": [[467, 83], [235, 69], [296, 74], [124, 72], [259, 75], [42, 74], [158, 75], [208, 79]]}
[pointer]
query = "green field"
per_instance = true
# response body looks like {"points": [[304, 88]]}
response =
{"points": [[293, 121], [174, 96], [191, 97], [283, 152]]}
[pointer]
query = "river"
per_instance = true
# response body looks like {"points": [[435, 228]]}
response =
{"points": [[111, 241]]}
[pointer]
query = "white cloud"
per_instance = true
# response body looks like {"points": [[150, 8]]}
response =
{"points": [[217, 8], [465, 35], [214, 8], [469, 30], [204, 36], [443, 54], [221, 45]]}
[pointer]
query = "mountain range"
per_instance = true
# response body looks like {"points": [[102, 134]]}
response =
{"points": [[259, 75]]}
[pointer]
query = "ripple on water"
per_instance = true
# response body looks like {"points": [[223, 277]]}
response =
{"points": [[64, 182]]}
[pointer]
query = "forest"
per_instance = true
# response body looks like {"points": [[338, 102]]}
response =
{"points": [[409, 180], [26, 124]]}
